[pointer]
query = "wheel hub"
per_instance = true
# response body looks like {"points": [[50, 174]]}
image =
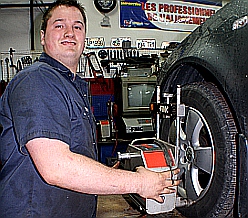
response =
{"points": [[189, 154]]}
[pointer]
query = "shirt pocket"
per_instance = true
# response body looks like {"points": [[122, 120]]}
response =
{"points": [[82, 130]]}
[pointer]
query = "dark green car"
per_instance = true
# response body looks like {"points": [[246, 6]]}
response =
{"points": [[211, 66]]}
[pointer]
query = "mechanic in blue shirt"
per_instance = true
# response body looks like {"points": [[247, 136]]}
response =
{"points": [[48, 143]]}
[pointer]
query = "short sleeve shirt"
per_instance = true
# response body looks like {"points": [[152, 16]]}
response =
{"points": [[43, 100]]}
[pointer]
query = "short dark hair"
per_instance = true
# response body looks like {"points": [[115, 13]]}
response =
{"points": [[69, 3]]}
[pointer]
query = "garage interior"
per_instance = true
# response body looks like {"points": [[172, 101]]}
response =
{"points": [[115, 57]]}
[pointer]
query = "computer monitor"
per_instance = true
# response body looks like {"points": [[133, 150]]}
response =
{"points": [[136, 95]]}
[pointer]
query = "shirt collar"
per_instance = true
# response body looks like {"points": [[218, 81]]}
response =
{"points": [[57, 65]]}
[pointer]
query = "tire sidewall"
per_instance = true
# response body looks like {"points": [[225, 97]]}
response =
{"points": [[221, 191]]}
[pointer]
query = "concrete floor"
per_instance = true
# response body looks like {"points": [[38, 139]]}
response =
{"points": [[115, 206]]}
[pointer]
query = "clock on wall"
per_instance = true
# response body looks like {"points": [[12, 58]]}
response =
{"points": [[105, 6]]}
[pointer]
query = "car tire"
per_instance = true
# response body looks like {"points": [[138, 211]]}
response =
{"points": [[207, 152]]}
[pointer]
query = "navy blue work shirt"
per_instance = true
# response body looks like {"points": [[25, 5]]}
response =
{"points": [[43, 100]]}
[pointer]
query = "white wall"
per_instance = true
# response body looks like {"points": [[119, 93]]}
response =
{"points": [[14, 28], [94, 28]]}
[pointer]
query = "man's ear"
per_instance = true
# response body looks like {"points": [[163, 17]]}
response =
{"points": [[42, 37]]}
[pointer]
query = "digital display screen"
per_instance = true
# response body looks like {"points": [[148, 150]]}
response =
{"points": [[139, 95]]}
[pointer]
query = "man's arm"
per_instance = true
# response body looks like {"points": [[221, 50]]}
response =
{"points": [[60, 167]]}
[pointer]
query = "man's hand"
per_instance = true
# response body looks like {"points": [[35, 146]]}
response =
{"points": [[155, 184]]}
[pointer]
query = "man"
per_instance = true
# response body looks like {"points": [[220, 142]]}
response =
{"points": [[48, 143]]}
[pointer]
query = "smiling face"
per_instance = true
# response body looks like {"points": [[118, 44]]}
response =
{"points": [[64, 37]]}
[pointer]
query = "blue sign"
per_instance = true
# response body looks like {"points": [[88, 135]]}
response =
{"points": [[167, 15]]}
